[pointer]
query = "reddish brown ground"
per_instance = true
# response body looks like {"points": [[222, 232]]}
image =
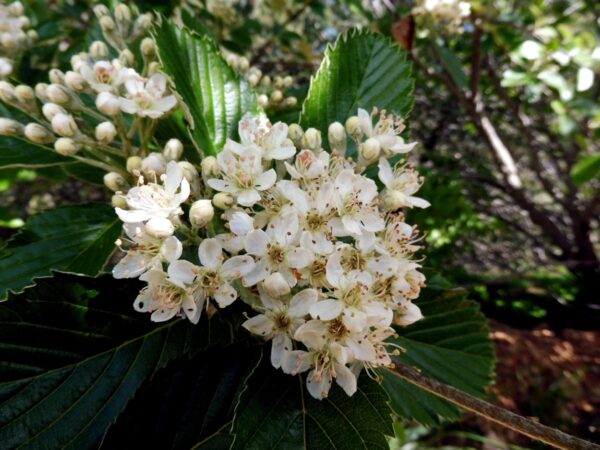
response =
{"points": [[551, 376]]}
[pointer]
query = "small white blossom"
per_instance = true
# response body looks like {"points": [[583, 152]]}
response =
{"points": [[146, 97], [400, 185], [386, 131]]}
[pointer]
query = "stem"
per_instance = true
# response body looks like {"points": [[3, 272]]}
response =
{"points": [[520, 424], [120, 125]]}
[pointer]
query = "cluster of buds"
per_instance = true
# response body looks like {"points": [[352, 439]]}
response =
{"points": [[322, 255], [14, 37], [447, 14], [271, 91], [103, 110]]}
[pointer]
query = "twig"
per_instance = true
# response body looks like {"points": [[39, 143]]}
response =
{"points": [[520, 424]]}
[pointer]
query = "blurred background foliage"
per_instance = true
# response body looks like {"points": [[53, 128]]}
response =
{"points": [[508, 120]]}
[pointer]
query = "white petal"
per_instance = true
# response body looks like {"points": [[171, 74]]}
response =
{"points": [[182, 272], [363, 351], [301, 303], [190, 309], [261, 325], [294, 194], [279, 347], [345, 378], [295, 362], [248, 197], [366, 123], [237, 267], [174, 176], [163, 314], [225, 295], [259, 273], [418, 202], [171, 249], [241, 223], [411, 315], [318, 385], [256, 242], [266, 180], [326, 309], [143, 302], [133, 216], [312, 334], [299, 258], [385, 172], [210, 253], [281, 153], [131, 265], [351, 225], [221, 185]]}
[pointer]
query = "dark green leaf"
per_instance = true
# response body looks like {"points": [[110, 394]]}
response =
{"points": [[586, 169], [276, 411], [74, 353], [215, 96], [76, 239], [363, 70], [452, 345], [453, 66], [19, 153]]}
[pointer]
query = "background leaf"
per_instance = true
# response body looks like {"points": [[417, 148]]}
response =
{"points": [[74, 353], [215, 96], [452, 345], [76, 239], [18, 153], [362, 69], [586, 169]]}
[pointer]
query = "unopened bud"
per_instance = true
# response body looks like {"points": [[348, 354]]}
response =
{"points": [[24, 94], [265, 81], [312, 139], [108, 103], [290, 102], [122, 14], [64, 125], [210, 167], [16, 8], [74, 81], [115, 181], [99, 51], [56, 76], [263, 101], [276, 286], [253, 79], [52, 109], [353, 126], [107, 24], [38, 134], [173, 150], [66, 146], [296, 133], [105, 132], [277, 96], [101, 11], [134, 165], [148, 48], [190, 174], [142, 23], [160, 228], [58, 94], [119, 201], [154, 164], [127, 58], [223, 200], [243, 63], [288, 81], [41, 91], [7, 92], [201, 212], [153, 68], [337, 137], [10, 127], [370, 149]]}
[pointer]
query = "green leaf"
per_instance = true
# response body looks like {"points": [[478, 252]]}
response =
{"points": [[76, 239], [362, 69], [453, 65], [19, 153], [215, 97], [276, 411], [74, 353], [586, 169], [452, 345]]}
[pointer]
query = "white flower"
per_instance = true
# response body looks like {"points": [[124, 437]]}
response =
{"points": [[6, 67], [103, 76], [243, 176], [145, 252], [407, 313], [386, 132], [215, 274], [277, 250], [280, 320], [400, 184], [240, 224], [169, 294], [155, 200], [146, 97], [308, 165], [270, 139]]}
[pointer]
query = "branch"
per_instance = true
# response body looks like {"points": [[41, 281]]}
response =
{"points": [[476, 57], [520, 424]]}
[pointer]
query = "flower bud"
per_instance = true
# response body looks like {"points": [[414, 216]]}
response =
{"points": [[288, 81], [160, 228], [7, 92], [201, 212], [148, 48], [153, 67], [105, 132], [154, 164], [134, 164], [119, 201], [58, 94], [243, 63], [276, 286], [127, 58], [122, 14], [190, 174], [290, 102], [74, 81], [263, 101], [25, 95], [276, 96], [107, 24], [41, 90], [56, 76], [108, 103], [52, 109], [173, 150], [296, 133], [99, 51], [353, 126], [142, 23], [370, 149], [223, 200], [337, 137], [101, 11], [115, 181], [210, 167], [16, 9], [38, 134], [10, 127], [312, 139], [32, 35], [66, 146], [64, 125]]}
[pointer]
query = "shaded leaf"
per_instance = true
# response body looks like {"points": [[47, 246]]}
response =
{"points": [[586, 169], [19, 153]]}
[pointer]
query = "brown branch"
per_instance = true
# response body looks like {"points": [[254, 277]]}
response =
{"points": [[476, 57], [520, 424]]}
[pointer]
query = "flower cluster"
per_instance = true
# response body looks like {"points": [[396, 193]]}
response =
{"points": [[14, 37], [322, 254], [103, 110], [448, 14]]}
